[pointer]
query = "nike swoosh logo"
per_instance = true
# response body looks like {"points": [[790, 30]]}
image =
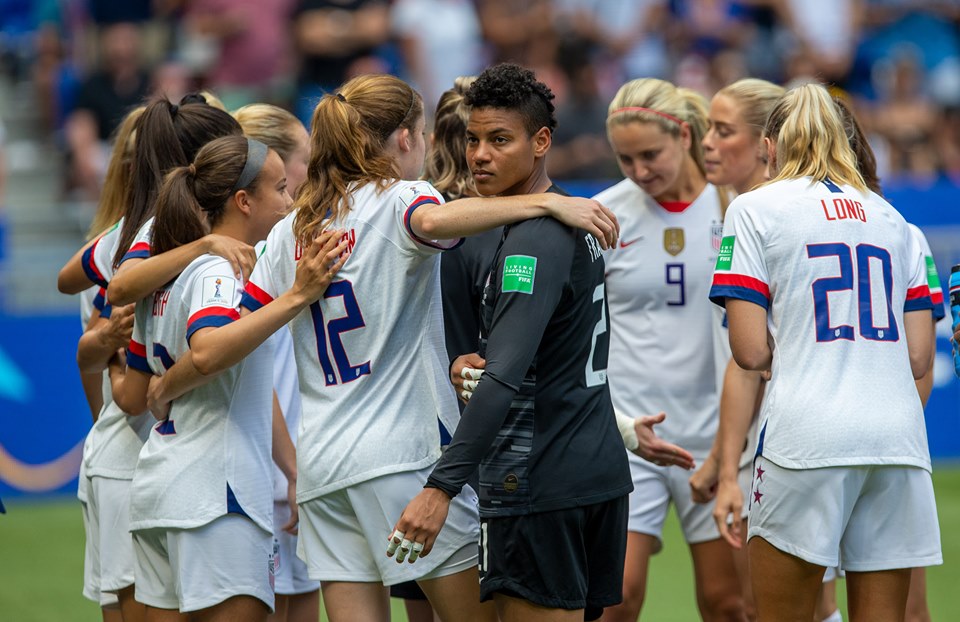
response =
{"points": [[634, 241]]}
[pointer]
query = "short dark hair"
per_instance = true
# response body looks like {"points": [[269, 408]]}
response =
{"points": [[512, 87]]}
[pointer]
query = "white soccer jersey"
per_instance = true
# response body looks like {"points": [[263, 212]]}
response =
{"points": [[933, 279], [115, 439], [662, 355], [370, 353], [212, 455], [836, 269], [287, 387], [140, 247]]}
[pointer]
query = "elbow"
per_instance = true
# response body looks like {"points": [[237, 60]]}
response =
{"points": [[117, 294], [67, 285], [129, 405], [753, 359], [426, 225], [919, 365], [205, 363]]}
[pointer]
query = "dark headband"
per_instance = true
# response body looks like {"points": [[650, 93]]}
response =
{"points": [[256, 156]]}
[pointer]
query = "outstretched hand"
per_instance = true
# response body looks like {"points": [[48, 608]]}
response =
{"points": [[654, 449]]}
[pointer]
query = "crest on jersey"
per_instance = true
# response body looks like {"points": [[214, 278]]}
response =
{"points": [[716, 234], [673, 240], [218, 291]]}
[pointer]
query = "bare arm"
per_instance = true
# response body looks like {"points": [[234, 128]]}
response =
{"points": [[103, 338], [925, 382], [93, 391], [748, 335], [469, 216], [72, 278], [920, 340], [129, 388], [285, 457], [138, 278]]}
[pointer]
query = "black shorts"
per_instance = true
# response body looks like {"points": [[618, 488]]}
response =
{"points": [[567, 559], [408, 590]]}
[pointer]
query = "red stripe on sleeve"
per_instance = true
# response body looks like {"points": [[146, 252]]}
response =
{"points": [[923, 291], [258, 294], [740, 280], [229, 312], [137, 348]]}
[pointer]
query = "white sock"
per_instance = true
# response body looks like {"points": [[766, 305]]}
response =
{"points": [[834, 617]]}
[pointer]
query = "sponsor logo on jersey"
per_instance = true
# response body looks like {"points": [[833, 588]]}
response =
{"points": [[217, 290], [673, 240], [716, 234], [518, 274], [725, 256], [510, 483]]}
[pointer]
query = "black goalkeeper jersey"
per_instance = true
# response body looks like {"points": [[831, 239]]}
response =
{"points": [[540, 423]]}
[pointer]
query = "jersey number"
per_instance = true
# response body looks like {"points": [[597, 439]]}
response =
{"points": [[331, 331], [597, 377], [863, 278], [674, 276]]}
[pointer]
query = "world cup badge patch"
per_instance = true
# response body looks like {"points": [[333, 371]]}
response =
{"points": [[716, 234], [673, 240], [218, 291]]}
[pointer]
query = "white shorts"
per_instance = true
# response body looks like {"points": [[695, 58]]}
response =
{"points": [[91, 562], [193, 569], [832, 573], [343, 534], [872, 517], [654, 487], [290, 573], [108, 503]]}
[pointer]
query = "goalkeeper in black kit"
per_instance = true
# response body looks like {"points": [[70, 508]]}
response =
{"points": [[553, 474]]}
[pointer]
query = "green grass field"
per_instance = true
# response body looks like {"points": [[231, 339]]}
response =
{"points": [[41, 552]]}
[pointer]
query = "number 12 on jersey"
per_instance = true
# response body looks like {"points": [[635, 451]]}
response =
{"points": [[862, 277], [330, 331]]}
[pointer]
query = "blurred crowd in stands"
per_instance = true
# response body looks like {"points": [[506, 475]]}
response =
{"points": [[89, 60]]}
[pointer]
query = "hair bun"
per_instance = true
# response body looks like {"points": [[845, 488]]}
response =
{"points": [[192, 169]]}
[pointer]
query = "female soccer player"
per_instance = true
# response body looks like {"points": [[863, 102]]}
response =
{"points": [[201, 494], [110, 336], [735, 155], [116, 439], [657, 281], [824, 284], [373, 380], [297, 596]]}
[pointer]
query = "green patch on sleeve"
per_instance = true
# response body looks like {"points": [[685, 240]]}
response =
{"points": [[518, 274], [725, 256], [933, 279]]}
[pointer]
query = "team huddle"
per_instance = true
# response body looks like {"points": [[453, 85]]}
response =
{"points": [[279, 327]]}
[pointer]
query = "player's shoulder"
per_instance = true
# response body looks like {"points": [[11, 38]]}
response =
{"points": [[412, 193], [203, 266], [624, 192]]}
